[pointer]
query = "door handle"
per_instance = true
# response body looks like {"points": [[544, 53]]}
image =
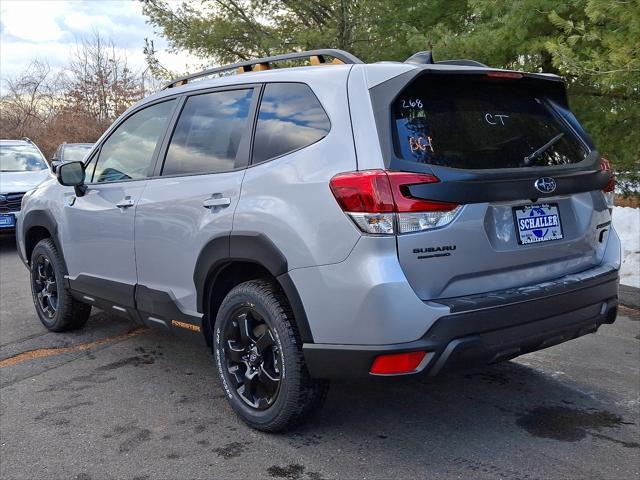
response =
{"points": [[216, 202], [126, 202]]}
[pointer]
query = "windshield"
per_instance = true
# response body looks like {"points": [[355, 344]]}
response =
{"points": [[480, 124], [21, 158], [75, 153]]}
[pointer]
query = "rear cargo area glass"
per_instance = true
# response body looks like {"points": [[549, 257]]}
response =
{"points": [[481, 123]]}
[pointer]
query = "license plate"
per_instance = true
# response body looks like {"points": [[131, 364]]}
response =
{"points": [[537, 223], [7, 220]]}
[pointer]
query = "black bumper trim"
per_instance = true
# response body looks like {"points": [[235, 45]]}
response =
{"points": [[561, 286], [486, 334]]}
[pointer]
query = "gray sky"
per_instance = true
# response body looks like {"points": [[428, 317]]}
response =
{"points": [[49, 29]]}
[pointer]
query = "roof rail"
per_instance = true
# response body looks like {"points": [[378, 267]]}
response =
{"points": [[316, 57], [27, 139]]}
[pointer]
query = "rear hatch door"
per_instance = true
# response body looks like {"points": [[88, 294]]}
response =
{"points": [[505, 147]]}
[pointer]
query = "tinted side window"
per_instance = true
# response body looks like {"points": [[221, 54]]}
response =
{"points": [[290, 118], [208, 133], [127, 153]]}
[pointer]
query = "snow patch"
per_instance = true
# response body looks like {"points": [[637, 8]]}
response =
{"points": [[626, 221]]}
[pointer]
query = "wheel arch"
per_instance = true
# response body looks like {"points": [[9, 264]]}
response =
{"points": [[37, 225], [229, 260]]}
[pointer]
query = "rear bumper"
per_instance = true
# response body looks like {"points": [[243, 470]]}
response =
{"points": [[488, 328]]}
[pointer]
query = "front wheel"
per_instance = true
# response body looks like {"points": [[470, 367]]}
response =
{"points": [[258, 355], [57, 309]]}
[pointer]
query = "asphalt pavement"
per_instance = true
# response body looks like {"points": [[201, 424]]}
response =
{"points": [[113, 401]]}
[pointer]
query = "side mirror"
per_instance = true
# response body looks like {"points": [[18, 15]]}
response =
{"points": [[72, 175]]}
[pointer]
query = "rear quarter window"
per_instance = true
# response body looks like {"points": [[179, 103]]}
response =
{"points": [[481, 124], [290, 118], [208, 133]]}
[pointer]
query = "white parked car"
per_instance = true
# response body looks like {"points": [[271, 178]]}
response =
{"points": [[22, 168]]}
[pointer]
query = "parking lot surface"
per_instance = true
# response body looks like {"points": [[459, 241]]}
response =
{"points": [[117, 401]]}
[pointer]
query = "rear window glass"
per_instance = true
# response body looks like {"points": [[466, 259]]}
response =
{"points": [[290, 118], [476, 124]]}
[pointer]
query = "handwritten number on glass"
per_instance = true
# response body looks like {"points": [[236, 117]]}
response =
{"points": [[412, 103], [419, 145]]}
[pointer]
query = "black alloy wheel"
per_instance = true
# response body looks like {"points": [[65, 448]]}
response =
{"points": [[259, 358], [253, 360], [56, 308], [45, 286]]}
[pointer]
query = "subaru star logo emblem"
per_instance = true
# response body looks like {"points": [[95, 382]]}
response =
{"points": [[545, 184], [3, 198]]}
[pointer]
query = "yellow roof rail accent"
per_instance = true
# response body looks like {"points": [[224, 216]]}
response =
{"points": [[319, 60], [316, 57]]}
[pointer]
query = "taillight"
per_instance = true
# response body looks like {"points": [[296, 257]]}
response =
{"points": [[610, 188], [367, 191], [400, 183], [379, 202]]}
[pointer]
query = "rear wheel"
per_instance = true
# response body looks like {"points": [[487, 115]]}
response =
{"points": [[57, 309], [259, 359]]}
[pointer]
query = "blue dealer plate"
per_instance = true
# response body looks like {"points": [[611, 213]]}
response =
{"points": [[537, 223], [7, 220]]}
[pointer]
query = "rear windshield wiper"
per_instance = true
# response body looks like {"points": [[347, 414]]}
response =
{"points": [[543, 148]]}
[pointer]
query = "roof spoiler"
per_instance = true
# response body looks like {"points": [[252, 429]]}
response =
{"points": [[426, 58]]}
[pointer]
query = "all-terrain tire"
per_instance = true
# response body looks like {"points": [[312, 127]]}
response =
{"points": [[298, 396], [69, 313]]}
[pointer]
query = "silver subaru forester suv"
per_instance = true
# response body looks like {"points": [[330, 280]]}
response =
{"points": [[338, 219]]}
